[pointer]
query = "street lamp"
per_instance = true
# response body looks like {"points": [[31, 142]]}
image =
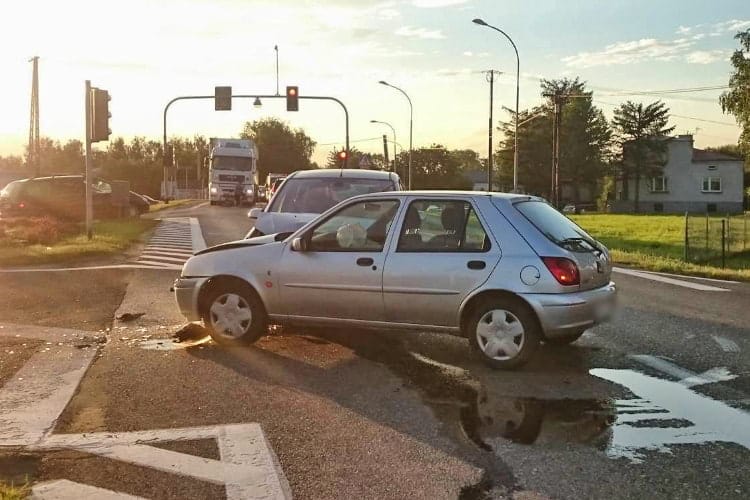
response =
{"points": [[257, 104], [394, 140], [518, 76], [411, 122]]}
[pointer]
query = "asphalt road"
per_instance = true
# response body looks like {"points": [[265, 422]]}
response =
{"points": [[652, 405]]}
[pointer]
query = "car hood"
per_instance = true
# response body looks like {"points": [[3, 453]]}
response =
{"points": [[282, 222], [229, 245], [241, 258]]}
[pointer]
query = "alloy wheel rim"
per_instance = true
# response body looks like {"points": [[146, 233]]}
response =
{"points": [[500, 334], [230, 315]]}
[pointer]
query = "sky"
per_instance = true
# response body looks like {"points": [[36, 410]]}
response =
{"points": [[146, 52]]}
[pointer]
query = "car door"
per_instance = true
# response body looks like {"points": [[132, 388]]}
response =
{"points": [[443, 252], [340, 271]]}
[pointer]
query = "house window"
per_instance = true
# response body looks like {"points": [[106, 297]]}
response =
{"points": [[711, 185], [659, 184], [711, 207], [658, 207], [712, 167]]}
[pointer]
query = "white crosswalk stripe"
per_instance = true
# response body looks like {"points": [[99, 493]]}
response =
{"points": [[172, 243]]}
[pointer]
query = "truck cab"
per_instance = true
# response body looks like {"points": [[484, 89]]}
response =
{"points": [[232, 171]]}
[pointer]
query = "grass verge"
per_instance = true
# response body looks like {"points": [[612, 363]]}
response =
{"points": [[172, 204], [109, 238], [11, 492], [656, 243]]}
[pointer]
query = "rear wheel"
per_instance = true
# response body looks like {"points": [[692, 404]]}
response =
{"points": [[504, 332], [234, 315], [565, 339]]}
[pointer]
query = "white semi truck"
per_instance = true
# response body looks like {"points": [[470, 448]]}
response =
{"points": [[232, 167]]}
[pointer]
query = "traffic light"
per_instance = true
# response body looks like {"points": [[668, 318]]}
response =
{"points": [[342, 155], [222, 98], [100, 115], [292, 98]]}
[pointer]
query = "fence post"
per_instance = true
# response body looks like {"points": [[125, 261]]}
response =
{"points": [[723, 238], [706, 232], [687, 239]]}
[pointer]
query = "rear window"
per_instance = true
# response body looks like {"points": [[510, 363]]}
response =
{"points": [[12, 189], [315, 196], [556, 226]]}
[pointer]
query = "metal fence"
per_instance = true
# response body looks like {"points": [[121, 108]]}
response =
{"points": [[714, 238]]}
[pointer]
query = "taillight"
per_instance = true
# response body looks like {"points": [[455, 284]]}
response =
{"points": [[22, 205], [564, 270]]}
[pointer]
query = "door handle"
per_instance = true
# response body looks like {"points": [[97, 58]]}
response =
{"points": [[365, 261], [476, 264]]}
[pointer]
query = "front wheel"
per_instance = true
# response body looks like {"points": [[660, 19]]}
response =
{"points": [[234, 315], [504, 332]]}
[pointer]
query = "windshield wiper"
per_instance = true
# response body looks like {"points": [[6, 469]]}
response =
{"points": [[590, 243]]}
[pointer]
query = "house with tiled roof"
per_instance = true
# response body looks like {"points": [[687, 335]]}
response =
{"points": [[693, 180]]}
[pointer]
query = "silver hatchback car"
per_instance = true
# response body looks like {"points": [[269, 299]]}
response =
{"points": [[505, 271]]}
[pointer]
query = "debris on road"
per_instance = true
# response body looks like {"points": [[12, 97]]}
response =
{"points": [[191, 331], [129, 316]]}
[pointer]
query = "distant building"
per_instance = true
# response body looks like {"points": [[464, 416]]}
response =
{"points": [[478, 179], [693, 180]]}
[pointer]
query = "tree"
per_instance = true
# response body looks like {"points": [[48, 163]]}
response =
{"points": [[280, 148], [435, 168], [585, 142], [641, 132], [585, 136], [376, 160], [737, 99], [534, 152]]}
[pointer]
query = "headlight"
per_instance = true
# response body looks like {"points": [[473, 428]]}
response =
{"points": [[249, 191], [214, 190]]}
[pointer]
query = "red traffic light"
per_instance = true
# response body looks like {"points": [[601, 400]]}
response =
{"points": [[292, 98]]}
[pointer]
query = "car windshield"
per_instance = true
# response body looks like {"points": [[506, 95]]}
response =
{"points": [[232, 163], [315, 196], [554, 225]]}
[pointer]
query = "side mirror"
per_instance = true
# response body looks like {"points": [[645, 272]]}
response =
{"points": [[254, 213], [299, 244]]}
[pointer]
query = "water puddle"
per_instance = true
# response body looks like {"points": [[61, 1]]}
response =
{"points": [[666, 413]]}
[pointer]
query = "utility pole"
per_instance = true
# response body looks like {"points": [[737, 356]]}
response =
{"points": [[33, 161], [276, 48], [558, 100], [385, 150], [489, 147], [87, 160]]}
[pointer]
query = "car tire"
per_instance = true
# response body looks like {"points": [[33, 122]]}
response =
{"points": [[234, 314], [564, 339], [504, 332]]}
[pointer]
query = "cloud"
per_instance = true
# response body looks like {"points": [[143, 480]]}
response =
{"points": [[706, 56], [684, 30], [468, 53], [422, 33], [732, 25], [431, 4], [631, 52], [389, 14]]}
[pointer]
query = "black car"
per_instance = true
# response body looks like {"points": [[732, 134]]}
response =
{"points": [[61, 196]]}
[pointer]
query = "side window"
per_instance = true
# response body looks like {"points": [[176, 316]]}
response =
{"points": [[38, 190], [362, 227], [442, 226]]}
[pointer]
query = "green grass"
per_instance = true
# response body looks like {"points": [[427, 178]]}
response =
{"points": [[11, 492], [109, 238], [656, 242]]}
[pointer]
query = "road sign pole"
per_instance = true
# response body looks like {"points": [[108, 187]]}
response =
{"points": [[87, 161]]}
